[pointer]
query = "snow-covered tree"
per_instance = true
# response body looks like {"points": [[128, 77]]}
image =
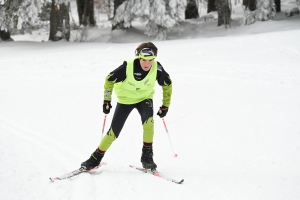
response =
{"points": [[265, 10], [159, 15], [201, 5], [117, 3], [15, 13]]}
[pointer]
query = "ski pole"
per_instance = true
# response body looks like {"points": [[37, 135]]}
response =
{"points": [[107, 107], [175, 154], [103, 126]]}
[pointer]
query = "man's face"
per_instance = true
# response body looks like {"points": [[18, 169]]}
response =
{"points": [[146, 64]]}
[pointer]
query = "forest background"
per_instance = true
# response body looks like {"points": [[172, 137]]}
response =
{"points": [[77, 20]]}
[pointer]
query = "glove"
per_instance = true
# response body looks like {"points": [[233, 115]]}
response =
{"points": [[162, 112], [106, 107]]}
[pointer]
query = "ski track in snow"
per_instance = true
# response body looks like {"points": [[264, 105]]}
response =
{"points": [[28, 155]]}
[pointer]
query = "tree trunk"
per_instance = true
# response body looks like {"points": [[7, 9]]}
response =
{"points": [[5, 36], [85, 9], [223, 12], [211, 6], [59, 22], [278, 5], [191, 10], [250, 4]]}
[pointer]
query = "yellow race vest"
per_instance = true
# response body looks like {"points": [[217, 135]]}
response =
{"points": [[131, 91]]}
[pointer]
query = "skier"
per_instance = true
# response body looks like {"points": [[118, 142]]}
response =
{"points": [[133, 83]]}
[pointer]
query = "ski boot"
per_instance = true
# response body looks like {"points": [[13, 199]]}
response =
{"points": [[147, 158], [93, 161]]}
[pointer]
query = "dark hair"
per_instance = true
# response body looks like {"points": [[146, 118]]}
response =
{"points": [[146, 45]]}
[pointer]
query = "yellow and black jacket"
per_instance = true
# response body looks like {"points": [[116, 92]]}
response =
{"points": [[118, 76]]}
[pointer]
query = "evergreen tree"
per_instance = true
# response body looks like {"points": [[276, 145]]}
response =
{"points": [[266, 10], [117, 3], [14, 14], [44, 15], [159, 15]]}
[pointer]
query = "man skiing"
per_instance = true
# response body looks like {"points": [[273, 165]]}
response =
{"points": [[133, 83]]}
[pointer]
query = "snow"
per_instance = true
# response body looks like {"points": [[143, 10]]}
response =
{"points": [[233, 121]]}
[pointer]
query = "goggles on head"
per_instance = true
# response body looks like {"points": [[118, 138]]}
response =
{"points": [[147, 54]]}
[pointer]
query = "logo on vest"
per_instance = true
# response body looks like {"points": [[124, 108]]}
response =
{"points": [[129, 83], [146, 83]]}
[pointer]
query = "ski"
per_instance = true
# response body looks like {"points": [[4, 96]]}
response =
{"points": [[75, 173], [157, 173]]}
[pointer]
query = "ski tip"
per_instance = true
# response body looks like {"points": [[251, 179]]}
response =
{"points": [[180, 182], [54, 179]]}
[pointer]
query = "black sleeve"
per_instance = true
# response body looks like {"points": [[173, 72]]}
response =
{"points": [[163, 77], [119, 74]]}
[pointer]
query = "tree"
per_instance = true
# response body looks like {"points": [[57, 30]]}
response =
{"points": [[159, 15], [265, 10], [117, 3], [224, 13], [14, 14], [250, 4], [44, 15], [249, 11], [5, 36], [278, 5], [211, 6], [59, 20], [85, 10], [191, 10]]}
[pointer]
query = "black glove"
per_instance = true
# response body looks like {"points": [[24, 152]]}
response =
{"points": [[162, 112], [106, 107]]}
